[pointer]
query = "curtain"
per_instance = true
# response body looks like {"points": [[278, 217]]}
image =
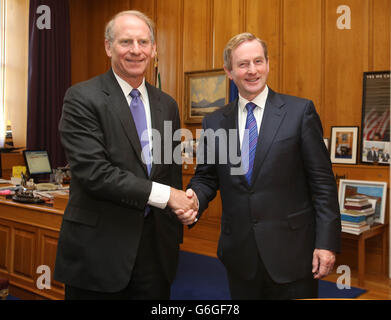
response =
{"points": [[49, 75]]}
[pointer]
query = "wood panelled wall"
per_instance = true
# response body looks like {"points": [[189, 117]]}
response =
{"points": [[309, 56]]}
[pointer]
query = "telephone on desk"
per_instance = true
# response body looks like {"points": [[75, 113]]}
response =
{"points": [[46, 187]]}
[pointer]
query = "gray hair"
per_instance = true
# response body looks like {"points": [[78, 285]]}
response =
{"points": [[109, 31], [235, 42]]}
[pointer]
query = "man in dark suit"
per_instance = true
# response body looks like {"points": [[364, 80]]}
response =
{"points": [[119, 238], [280, 224], [373, 154], [385, 156]]}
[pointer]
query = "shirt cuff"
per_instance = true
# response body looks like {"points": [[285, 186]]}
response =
{"points": [[159, 196]]}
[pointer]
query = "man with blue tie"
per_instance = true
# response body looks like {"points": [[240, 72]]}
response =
{"points": [[119, 238], [280, 223]]}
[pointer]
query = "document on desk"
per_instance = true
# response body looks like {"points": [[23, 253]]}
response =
{"points": [[51, 194]]}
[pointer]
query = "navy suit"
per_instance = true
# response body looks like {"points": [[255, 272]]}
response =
{"points": [[110, 186], [291, 205], [373, 156]]}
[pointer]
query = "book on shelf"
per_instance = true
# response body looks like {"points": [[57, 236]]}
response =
{"points": [[355, 230], [354, 206], [353, 224], [357, 198], [364, 212], [357, 218]]}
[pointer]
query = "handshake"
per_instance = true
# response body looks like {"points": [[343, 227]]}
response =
{"points": [[184, 205]]}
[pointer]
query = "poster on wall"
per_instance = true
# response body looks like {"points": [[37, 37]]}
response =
{"points": [[375, 142]]}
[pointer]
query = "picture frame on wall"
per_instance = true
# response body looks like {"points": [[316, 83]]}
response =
{"points": [[359, 195], [375, 135], [344, 143], [205, 92]]}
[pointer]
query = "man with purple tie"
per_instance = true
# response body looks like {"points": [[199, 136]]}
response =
{"points": [[119, 238], [280, 222]]}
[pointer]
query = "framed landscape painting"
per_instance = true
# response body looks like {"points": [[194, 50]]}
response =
{"points": [[205, 92]]}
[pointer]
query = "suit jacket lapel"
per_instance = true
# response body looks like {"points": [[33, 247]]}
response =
{"points": [[230, 121], [119, 104], [271, 121]]}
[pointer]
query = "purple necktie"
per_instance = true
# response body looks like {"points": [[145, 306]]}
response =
{"points": [[138, 112], [250, 139]]}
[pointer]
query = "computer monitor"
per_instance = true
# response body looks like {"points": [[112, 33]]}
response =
{"points": [[37, 163]]}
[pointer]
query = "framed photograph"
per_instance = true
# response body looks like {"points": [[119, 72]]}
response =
{"points": [[375, 135], [363, 196], [344, 141], [205, 92]]}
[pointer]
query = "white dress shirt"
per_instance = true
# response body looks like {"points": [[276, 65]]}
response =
{"points": [[260, 101], [160, 193]]}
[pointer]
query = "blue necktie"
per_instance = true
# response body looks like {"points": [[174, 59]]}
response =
{"points": [[138, 112], [248, 155]]}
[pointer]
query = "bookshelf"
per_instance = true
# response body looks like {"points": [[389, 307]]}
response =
{"points": [[374, 255]]}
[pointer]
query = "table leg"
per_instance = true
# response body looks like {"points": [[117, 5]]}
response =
{"points": [[361, 261], [384, 253]]}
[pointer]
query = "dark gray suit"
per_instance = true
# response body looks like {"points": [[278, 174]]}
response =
{"points": [[291, 205], [109, 190]]}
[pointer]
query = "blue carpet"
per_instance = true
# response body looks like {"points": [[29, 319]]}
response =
{"points": [[329, 290], [201, 277]]}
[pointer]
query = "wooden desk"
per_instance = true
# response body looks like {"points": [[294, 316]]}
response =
{"points": [[28, 239], [8, 160], [375, 230]]}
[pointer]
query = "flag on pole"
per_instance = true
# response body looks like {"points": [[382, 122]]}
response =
{"points": [[158, 83]]}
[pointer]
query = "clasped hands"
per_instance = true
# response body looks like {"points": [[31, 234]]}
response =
{"points": [[184, 205]]}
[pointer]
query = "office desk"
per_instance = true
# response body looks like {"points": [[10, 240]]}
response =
{"points": [[28, 239]]}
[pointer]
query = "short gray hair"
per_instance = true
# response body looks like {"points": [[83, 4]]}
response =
{"points": [[235, 42], [109, 30]]}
